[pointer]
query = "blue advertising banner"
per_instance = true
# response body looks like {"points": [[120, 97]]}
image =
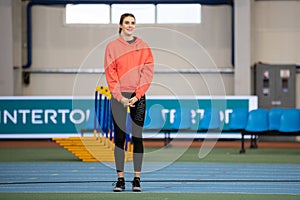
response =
{"points": [[43, 115], [47, 117]]}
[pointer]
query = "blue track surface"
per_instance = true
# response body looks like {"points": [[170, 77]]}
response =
{"points": [[177, 177]]}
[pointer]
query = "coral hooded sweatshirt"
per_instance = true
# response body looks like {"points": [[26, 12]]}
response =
{"points": [[128, 67]]}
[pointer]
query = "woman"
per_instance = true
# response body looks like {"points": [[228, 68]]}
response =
{"points": [[129, 73]]}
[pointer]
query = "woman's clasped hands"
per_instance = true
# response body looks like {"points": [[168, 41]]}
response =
{"points": [[129, 102]]}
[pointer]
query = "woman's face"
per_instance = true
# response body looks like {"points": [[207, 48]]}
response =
{"points": [[128, 25]]}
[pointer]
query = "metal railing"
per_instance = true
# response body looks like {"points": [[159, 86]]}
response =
{"points": [[158, 71]]}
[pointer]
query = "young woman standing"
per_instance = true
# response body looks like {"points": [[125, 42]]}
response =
{"points": [[129, 72]]}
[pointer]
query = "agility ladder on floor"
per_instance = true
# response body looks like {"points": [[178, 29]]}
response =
{"points": [[100, 146]]}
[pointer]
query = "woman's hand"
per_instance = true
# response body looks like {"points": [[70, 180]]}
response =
{"points": [[125, 101], [132, 101]]}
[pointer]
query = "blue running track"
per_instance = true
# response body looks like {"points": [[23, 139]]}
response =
{"points": [[177, 177]]}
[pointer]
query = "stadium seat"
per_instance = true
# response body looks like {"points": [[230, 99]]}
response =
{"points": [[90, 124], [238, 119], [274, 118], [289, 121], [182, 120], [154, 119], [195, 122], [258, 120], [299, 114], [211, 119]]}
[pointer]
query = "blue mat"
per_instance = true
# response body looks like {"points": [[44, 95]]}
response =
{"points": [[159, 177]]}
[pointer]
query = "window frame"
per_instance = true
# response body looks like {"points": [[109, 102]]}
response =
{"points": [[155, 22], [107, 6]]}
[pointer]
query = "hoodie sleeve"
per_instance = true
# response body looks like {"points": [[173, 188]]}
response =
{"points": [[146, 73], [111, 74]]}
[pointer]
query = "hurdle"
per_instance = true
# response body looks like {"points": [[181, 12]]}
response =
{"points": [[103, 122], [100, 146], [103, 125]]}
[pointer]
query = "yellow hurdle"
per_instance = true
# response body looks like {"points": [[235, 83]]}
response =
{"points": [[97, 148]]}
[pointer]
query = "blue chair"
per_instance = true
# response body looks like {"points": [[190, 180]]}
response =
{"points": [[290, 121], [156, 122], [91, 125], [274, 118], [258, 120], [238, 119], [154, 119], [299, 114], [195, 122], [211, 119], [182, 120]]}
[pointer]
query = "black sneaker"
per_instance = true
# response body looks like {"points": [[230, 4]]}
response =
{"points": [[136, 184], [120, 185]]}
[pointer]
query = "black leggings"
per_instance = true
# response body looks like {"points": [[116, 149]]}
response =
{"points": [[137, 113]]}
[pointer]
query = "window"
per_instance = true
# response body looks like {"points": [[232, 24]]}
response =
{"points": [[144, 13], [87, 14], [178, 13]]}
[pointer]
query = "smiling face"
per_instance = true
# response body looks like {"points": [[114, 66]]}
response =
{"points": [[128, 25]]}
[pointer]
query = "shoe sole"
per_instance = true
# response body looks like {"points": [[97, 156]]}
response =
{"points": [[118, 189], [136, 189]]}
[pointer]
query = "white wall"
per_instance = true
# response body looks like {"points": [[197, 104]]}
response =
{"points": [[276, 34], [275, 38], [6, 49], [242, 47], [57, 45]]}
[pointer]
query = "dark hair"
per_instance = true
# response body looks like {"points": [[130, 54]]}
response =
{"points": [[122, 19]]}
